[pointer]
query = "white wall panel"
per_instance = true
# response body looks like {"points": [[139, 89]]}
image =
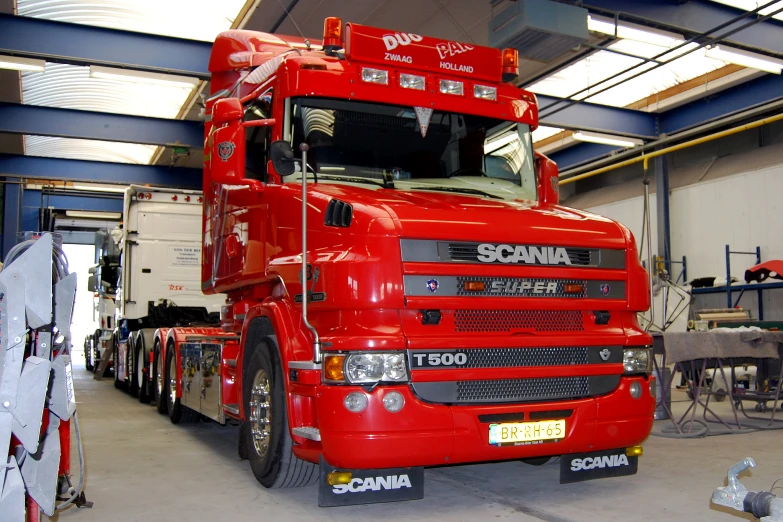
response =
{"points": [[629, 212]]}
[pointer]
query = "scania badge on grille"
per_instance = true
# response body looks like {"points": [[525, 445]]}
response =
{"points": [[432, 285], [605, 288], [605, 353]]}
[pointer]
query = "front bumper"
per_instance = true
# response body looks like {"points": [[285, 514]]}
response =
{"points": [[424, 434]]}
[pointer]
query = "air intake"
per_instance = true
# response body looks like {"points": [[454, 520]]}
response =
{"points": [[338, 214], [540, 30]]}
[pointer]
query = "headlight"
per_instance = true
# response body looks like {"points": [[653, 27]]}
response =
{"points": [[363, 368], [637, 360]]}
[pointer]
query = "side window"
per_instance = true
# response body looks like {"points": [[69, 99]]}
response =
{"points": [[258, 137]]}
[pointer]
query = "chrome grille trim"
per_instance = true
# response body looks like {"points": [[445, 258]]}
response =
{"points": [[435, 251]]}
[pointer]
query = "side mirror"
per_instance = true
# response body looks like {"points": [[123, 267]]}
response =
{"points": [[92, 283], [226, 110], [282, 158], [548, 180]]}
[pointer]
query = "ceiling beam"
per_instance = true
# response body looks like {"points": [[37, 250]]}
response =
{"points": [[555, 112], [767, 89], [79, 44], [69, 123], [696, 17], [98, 171]]}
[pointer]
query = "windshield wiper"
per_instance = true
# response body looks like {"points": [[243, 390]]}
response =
{"points": [[474, 192], [350, 179]]}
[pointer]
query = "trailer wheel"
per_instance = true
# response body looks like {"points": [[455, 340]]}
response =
{"points": [[131, 355], [158, 388], [120, 385], [178, 413], [265, 431], [143, 377]]}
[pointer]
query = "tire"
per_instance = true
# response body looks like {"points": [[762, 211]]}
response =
{"points": [[88, 356], [271, 458], [120, 385], [143, 377], [537, 461], [159, 389], [178, 413], [132, 356]]}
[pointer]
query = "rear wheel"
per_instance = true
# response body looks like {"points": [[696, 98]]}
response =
{"points": [[159, 388], [143, 377], [268, 443], [177, 412]]}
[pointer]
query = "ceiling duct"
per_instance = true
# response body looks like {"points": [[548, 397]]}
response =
{"points": [[540, 30]]}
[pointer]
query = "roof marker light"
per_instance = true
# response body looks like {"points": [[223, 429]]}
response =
{"points": [[378, 76], [333, 34], [452, 87], [412, 81], [485, 92], [510, 64]]}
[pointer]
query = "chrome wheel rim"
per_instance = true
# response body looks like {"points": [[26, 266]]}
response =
{"points": [[158, 376], [260, 416], [172, 381]]}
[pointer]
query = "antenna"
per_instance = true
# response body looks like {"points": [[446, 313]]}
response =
{"points": [[288, 14]]}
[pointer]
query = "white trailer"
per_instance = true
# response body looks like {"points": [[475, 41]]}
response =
{"points": [[160, 284]]}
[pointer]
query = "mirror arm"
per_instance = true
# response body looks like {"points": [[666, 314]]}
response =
{"points": [[259, 123]]}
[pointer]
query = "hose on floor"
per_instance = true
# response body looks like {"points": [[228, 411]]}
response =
{"points": [[80, 450]]}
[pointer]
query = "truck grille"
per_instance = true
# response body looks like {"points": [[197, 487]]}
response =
{"points": [[469, 252], [506, 320], [522, 389], [516, 390], [512, 287]]}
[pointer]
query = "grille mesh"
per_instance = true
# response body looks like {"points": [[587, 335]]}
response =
{"points": [[506, 320], [510, 357], [514, 390], [512, 287]]}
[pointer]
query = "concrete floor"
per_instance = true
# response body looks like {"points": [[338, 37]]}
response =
{"points": [[141, 467]]}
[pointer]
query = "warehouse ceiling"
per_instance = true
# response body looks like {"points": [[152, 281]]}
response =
{"points": [[669, 66]]}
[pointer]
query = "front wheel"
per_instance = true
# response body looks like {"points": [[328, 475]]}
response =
{"points": [[120, 385], [88, 356], [268, 443]]}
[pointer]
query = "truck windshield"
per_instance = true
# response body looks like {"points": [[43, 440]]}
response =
{"points": [[380, 145]]}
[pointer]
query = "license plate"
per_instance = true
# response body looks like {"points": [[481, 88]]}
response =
{"points": [[514, 432]]}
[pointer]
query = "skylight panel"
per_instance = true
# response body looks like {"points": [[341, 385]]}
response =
{"points": [[750, 5], [543, 132], [93, 150], [192, 19]]}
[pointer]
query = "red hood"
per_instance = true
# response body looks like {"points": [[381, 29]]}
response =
{"points": [[440, 215]]}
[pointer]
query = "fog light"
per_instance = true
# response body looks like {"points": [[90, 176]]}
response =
{"points": [[653, 388], [339, 477], [393, 401], [355, 402], [634, 451], [636, 390]]}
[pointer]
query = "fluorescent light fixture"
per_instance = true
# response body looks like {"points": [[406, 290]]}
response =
{"points": [[126, 75], [745, 59], [606, 139], [22, 64], [87, 214], [629, 31]]}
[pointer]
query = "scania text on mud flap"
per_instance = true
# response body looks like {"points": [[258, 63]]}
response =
{"points": [[402, 287]]}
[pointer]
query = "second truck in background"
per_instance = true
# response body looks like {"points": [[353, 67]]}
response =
{"points": [[160, 281]]}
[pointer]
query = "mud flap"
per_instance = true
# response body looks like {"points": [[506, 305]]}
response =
{"points": [[370, 486], [600, 464]]}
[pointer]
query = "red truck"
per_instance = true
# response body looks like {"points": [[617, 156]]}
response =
{"points": [[403, 289]]}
